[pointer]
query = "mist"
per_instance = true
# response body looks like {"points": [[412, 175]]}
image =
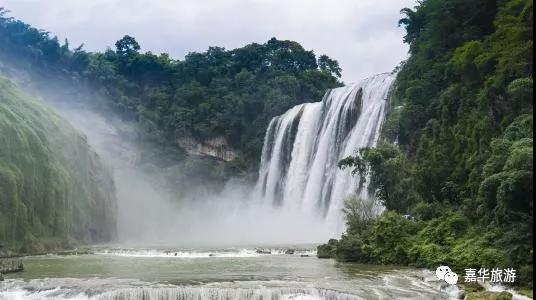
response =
{"points": [[151, 211], [169, 202]]}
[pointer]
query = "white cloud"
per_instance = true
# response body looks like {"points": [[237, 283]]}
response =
{"points": [[361, 34]]}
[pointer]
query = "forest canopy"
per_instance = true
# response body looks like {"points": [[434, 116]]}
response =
{"points": [[219, 92]]}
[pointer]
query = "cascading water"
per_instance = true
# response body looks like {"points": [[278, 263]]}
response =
{"points": [[200, 293], [124, 289], [303, 146]]}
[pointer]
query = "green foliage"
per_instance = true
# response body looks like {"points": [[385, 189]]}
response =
{"points": [[386, 167], [388, 237], [461, 116], [127, 46], [327, 250], [351, 248], [219, 92], [392, 238], [358, 213], [329, 65], [489, 296], [53, 188]]}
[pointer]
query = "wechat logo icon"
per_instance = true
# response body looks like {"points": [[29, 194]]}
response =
{"points": [[444, 273]]}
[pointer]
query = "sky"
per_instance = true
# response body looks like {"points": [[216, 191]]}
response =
{"points": [[362, 35]]}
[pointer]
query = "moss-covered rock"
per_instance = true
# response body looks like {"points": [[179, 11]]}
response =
{"points": [[54, 190]]}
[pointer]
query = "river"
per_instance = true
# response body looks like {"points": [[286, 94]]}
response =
{"points": [[215, 274]]}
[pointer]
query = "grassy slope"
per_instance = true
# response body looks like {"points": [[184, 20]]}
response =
{"points": [[53, 189]]}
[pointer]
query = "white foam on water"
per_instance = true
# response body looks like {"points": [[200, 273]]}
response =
{"points": [[231, 253], [178, 254], [395, 284], [43, 289]]}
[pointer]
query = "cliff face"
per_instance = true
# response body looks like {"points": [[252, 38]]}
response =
{"points": [[216, 147], [54, 190]]}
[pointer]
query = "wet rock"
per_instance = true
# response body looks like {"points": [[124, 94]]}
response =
{"points": [[263, 251], [289, 251], [216, 147]]}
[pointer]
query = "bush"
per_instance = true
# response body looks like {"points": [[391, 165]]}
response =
{"points": [[327, 250]]}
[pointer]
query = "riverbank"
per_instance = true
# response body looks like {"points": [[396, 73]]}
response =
{"points": [[59, 251], [448, 239]]}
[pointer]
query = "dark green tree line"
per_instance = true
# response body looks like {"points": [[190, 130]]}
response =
{"points": [[233, 93]]}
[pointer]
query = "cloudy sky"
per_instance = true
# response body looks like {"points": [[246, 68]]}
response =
{"points": [[361, 34]]}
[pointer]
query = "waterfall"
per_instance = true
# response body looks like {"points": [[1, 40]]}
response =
{"points": [[204, 293], [169, 292], [302, 147]]}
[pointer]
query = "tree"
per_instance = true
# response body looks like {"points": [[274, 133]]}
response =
{"points": [[127, 46], [385, 167], [329, 65], [413, 21], [225, 93], [358, 213]]}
